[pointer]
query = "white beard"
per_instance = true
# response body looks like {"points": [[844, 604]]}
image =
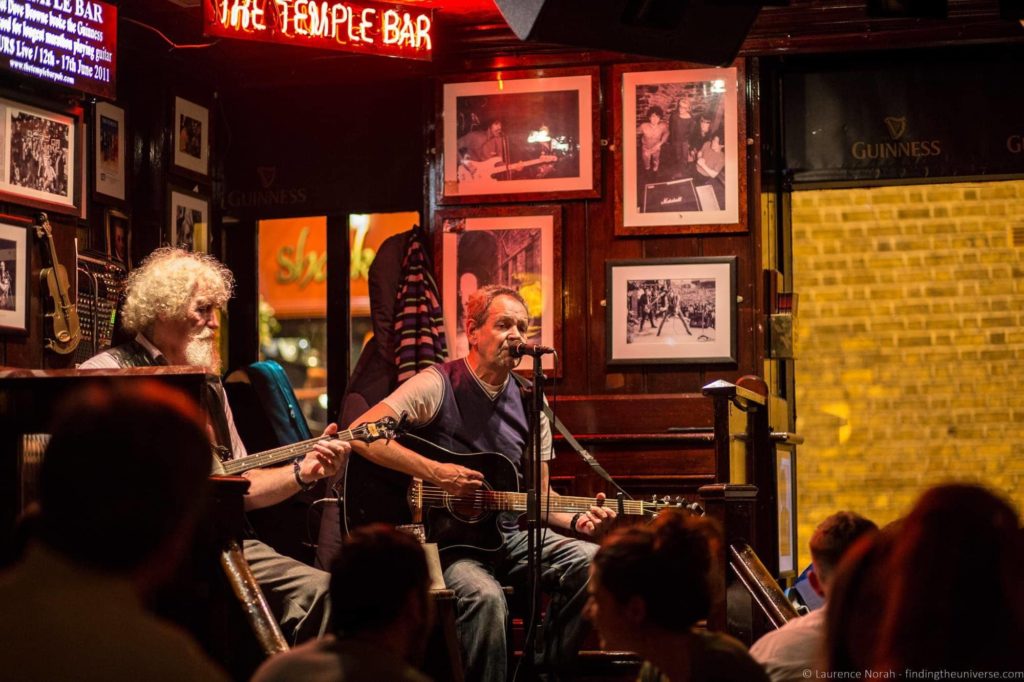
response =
{"points": [[202, 351]]}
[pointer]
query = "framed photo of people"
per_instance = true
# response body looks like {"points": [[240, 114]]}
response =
{"points": [[14, 264], [188, 220], [39, 150], [681, 161], [671, 310], [191, 130], [118, 237], [519, 136], [109, 151], [515, 247]]}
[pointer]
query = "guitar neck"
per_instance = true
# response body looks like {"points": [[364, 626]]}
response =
{"points": [[494, 500], [267, 458]]}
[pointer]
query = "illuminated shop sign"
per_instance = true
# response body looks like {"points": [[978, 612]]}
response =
{"points": [[72, 43], [364, 27]]}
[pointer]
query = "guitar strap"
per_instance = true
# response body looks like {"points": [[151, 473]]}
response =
{"points": [[526, 384]]}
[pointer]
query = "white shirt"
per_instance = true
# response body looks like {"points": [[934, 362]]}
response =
{"points": [[795, 648]]}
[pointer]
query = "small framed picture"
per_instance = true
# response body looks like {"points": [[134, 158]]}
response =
{"points": [[40, 152], [520, 136], [191, 136], [681, 156], [14, 264], [110, 151], [515, 247], [188, 218], [119, 237], [671, 310]]}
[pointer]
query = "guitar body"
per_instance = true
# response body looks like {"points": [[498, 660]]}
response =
{"points": [[376, 494]]}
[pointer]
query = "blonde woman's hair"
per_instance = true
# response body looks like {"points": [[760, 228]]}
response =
{"points": [[163, 286]]}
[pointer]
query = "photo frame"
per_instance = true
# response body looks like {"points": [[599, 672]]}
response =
{"points": [[188, 218], [519, 136], [785, 486], [191, 139], [681, 150], [39, 151], [14, 265], [109, 150], [515, 247], [689, 303], [118, 230]]}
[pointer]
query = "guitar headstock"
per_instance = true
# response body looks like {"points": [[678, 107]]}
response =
{"points": [[385, 428], [657, 504]]}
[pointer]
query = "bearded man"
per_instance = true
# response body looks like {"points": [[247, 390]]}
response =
{"points": [[171, 305]]}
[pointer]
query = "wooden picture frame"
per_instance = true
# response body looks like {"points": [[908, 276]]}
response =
{"points": [[519, 136], [40, 155], [691, 300], [515, 247], [118, 229], [191, 137], [14, 266], [109, 151], [188, 220], [681, 149]]}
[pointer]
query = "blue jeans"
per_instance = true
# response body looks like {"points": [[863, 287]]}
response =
{"points": [[482, 614]]}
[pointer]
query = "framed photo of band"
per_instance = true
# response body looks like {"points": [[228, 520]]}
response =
{"points": [[671, 310], [39, 150], [14, 265], [188, 220], [515, 247], [191, 140], [681, 150], [519, 136], [109, 150]]}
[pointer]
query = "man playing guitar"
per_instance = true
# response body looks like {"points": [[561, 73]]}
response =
{"points": [[472, 404]]}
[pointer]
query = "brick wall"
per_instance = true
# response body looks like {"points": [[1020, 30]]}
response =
{"points": [[910, 344]]}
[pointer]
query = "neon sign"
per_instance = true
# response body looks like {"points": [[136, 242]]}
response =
{"points": [[363, 27]]}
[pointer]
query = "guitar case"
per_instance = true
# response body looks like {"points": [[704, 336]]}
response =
{"points": [[267, 415]]}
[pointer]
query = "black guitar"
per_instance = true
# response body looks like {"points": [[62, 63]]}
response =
{"points": [[375, 494]]}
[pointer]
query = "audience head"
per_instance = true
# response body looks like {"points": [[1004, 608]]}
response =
{"points": [[124, 476], [656, 577], [831, 540], [380, 579]]}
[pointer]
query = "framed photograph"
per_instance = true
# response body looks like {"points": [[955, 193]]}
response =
{"points": [[520, 136], [517, 248], [671, 310], [191, 136], [39, 153], [110, 151], [119, 237], [785, 482], [14, 264], [189, 217], [681, 161]]}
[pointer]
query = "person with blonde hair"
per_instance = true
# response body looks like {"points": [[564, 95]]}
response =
{"points": [[171, 305]]}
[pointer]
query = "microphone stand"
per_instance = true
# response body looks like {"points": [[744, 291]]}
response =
{"points": [[533, 517]]}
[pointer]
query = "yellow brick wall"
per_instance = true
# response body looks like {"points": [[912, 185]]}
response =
{"points": [[910, 345]]}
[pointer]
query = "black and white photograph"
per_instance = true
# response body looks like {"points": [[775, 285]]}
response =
{"points": [[13, 278], [188, 215], [191, 136], [480, 248], [518, 135], [671, 310], [110, 150], [679, 152], [39, 151]]}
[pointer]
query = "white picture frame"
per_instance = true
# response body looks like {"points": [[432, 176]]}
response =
{"points": [[109, 150]]}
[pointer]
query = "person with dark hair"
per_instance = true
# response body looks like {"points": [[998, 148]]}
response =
{"points": [[653, 136], [649, 586], [474, 405], [383, 612], [121, 487], [681, 126], [797, 647]]}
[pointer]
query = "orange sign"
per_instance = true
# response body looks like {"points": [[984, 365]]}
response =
{"points": [[293, 266]]}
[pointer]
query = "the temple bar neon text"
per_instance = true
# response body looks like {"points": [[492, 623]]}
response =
{"points": [[365, 27]]}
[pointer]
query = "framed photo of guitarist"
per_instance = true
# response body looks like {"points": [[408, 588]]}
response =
{"points": [[14, 298], [519, 136], [40, 156]]}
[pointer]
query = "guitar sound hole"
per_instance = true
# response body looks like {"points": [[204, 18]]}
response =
{"points": [[470, 509]]}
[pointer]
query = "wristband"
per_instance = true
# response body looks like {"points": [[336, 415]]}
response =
{"points": [[298, 478], [575, 520]]}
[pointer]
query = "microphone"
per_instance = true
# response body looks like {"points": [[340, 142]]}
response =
{"points": [[518, 349]]}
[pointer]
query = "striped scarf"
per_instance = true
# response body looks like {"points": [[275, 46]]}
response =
{"points": [[419, 328]]}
